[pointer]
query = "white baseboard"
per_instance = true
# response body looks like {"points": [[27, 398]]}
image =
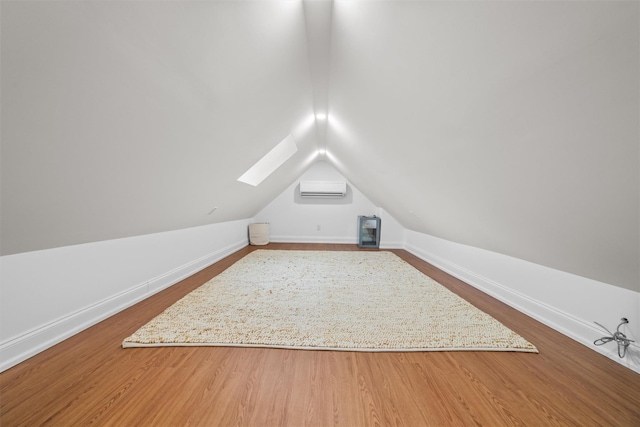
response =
{"points": [[392, 245], [468, 264], [172, 277], [314, 239], [332, 239], [559, 320], [26, 345]]}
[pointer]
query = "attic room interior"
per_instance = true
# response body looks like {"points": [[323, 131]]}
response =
{"points": [[495, 146]]}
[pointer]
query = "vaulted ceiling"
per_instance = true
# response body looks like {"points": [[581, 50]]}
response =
{"points": [[509, 126]]}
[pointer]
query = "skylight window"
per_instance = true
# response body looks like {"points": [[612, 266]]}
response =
{"points": [[270, 162]]}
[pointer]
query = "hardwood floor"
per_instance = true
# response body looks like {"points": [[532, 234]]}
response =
{"points": [[90, 379]]}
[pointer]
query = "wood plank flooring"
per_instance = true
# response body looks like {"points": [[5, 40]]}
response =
{"points": [[90, 379]]}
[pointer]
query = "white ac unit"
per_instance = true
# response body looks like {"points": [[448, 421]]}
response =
{"points": [[325, 189]]}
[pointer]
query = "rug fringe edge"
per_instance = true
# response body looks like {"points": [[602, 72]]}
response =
{"points": [[357, 349]]}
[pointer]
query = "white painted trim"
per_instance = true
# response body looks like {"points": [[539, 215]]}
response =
{"points": [[314, 239], [571, 325], [174, 276], [331, 239], [391, 245], [22, 346], [495, 274]]}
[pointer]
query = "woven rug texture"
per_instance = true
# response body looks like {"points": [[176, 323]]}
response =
{"points": [[358, 301]]}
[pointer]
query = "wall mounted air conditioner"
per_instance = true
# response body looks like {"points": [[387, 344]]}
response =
{"points": [[323, 189]]}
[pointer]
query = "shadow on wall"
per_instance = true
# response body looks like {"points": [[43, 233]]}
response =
{"points": [[346, 200]]}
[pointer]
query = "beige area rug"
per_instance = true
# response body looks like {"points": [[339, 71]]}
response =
{"points": [[358, 301]]}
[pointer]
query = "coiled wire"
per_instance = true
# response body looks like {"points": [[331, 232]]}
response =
{"points": [[618, 337]]}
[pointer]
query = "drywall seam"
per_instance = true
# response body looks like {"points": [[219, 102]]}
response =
{"points": [[577, 329]]}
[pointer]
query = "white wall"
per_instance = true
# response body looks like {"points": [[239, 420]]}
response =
{"points": [[52, 294], [294, 219], [505, 125], [127, 118], [49, 295], [565, 302], [392, 232]]}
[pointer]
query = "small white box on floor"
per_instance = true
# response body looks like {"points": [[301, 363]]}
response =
{"points": [[259, 234]]}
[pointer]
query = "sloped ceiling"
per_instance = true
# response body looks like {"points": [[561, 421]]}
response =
{"points": [[509, 126], [126, 118]]}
